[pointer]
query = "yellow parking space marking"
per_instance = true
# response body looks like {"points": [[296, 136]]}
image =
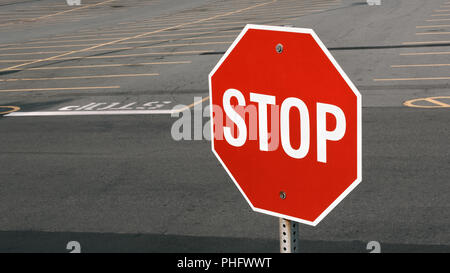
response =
{"points": [[11, 109], [269, 14], [425, 53], [139, 47], [105, 65], [31, 53], [440, 14], [140, 35], [64, 39], [60, 39], [433, 33], [117, 56], [166, 45], [141, 28], [123, 31], [435, 101], [433, 26], [54, 46], [190, 28], [418, 65], [125, 48], [412, 79], [13, 61], [425, 42], [82, 77], [123, 43], [60, 88], [437, 20], [191, 105], [441, 10], [51, 6], [182, 44], [205, 38], [158, 35], [271, 17]]}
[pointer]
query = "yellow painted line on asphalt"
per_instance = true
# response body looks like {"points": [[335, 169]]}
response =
{"points": [[32, 10], [12, 109], [31, 53], [117, 56], [433, 33], [181, 33], [26, 16], [167, 45], [434, 100], [418, 65], [425, 53], [123, 43], [436, 15], [106, 65], [159, 35], [140, 28], [437, 20], [61, 39], [52, 44], [433, 26], [123, 31], [441, 10], [140, 35], [13, 61], [189, 28], [60, 89], [81, 77], [412, 79], [50, 6], [280, 15], [207, 37], [425, 42], [192, 105], [174, 19], [125, 48]]}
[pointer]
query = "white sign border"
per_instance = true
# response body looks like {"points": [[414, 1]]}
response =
{"points": [[359, 120]]}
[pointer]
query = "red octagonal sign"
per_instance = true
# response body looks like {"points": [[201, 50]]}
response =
{"points": [[286, 123]]}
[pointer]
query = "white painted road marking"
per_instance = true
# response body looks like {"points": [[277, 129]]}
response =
{"points": [[90, 113], [87, 110]]}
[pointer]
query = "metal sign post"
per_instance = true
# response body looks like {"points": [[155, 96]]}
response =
{"points": [[289, 236]]}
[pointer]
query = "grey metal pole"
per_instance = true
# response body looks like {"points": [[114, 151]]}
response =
{"points": [[289, 242]]}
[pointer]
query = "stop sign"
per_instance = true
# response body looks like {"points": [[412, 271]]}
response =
{"points": [[286, 123]]}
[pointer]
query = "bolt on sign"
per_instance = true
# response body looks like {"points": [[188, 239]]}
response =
{"points": [[286, 122]]}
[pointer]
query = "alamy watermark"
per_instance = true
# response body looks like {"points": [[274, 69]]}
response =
{"points": [[374, 2], [73, 2]]}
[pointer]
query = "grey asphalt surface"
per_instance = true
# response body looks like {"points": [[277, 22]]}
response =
{"points": [[120, 183]]}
